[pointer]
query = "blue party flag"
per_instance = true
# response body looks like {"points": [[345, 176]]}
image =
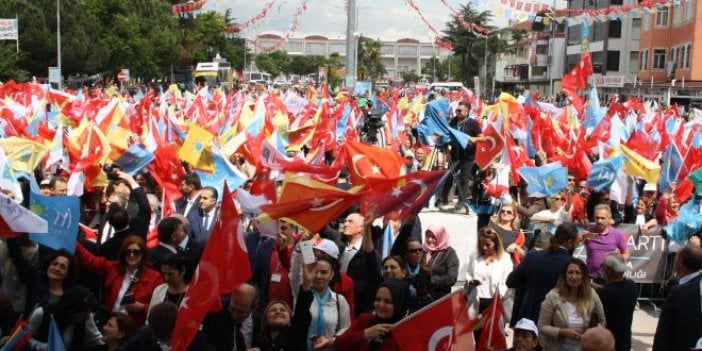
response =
{"points": [[55, 342], [434, 130], [135, 159], [672, 163], [62, 213], [545, 180], [604, 173], [223, 171]]}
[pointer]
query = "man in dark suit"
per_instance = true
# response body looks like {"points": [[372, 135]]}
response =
{"points": [[360, 261], [139, 211], [173, 240], [680, 323], [208, 211], [538, 273], [118, 218], [236, 325], [188, 205]]}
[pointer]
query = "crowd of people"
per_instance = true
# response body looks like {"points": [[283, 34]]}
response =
{"points": [[119, 292]]}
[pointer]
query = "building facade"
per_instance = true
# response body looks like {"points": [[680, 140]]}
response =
{"points": [[406, 54], [667, 69]]}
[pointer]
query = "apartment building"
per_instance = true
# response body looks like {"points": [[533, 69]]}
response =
{"points": [[667, 54], [407, 54], [613, 45]]}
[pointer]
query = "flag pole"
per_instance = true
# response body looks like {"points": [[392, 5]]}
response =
{"points": [[428, 307], [17, 40], [492, 319]]}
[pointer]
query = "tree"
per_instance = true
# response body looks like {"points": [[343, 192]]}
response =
{"points": [[409, 76], [274, 63], [369, 60], [468, 45], [8, 64], [331, 66]]}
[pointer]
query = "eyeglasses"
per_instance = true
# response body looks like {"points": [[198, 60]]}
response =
{"points": [[132, 252], [283, 227], [558, 198], [571, 180], [414, 250], [506, 212]]}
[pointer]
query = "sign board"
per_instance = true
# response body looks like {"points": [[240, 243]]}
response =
{"points": [[54, 75], [9, 29], [123, 74], [648, 253], [476, 85], [363, 88], [349, 82], [607, 81]]}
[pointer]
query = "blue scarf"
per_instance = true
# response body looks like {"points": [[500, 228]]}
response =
{"points": [[317, 327]]}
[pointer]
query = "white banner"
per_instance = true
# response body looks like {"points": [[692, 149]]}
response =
{"points": [[9, 30]]}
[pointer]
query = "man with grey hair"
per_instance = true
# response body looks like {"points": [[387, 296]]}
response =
{"points": [[618, 296]]}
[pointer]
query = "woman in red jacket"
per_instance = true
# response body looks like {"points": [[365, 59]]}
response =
{"points": [[371, 331], [129, 282]]}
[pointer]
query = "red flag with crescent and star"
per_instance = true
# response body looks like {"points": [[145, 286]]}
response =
{"points": [[442, 325], [224, 266], [366, 162], [488, 150], [308, 203], [405, 195]]}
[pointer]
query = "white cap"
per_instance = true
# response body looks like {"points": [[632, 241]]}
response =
{"points": [[328, 247], [698, 345], [650, 187], [527, 324]]}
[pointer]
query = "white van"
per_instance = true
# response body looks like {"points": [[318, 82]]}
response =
{"points": [[452, 86]]}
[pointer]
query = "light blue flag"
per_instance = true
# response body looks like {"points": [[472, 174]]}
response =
{"points": [[62, 213], [593, 111], [672, 163], [386, 241], [135, 159], [531, 149], [434, 130], [55, 342], [545, 180], [688, 223], [223, 171], [604, 173], [343, 121]]}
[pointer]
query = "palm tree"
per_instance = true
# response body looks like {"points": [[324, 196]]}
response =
{"points": [[369, 60]]}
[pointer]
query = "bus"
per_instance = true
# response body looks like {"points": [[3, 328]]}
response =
{"points": [[214, 74]]}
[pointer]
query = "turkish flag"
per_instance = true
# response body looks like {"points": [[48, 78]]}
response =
{"points": [[518, 157], [308, 203], [366, 162], [90, 233], [167, 170], [406, 195], [224, 266], [443, 325], [493, 334], [488, 150]]}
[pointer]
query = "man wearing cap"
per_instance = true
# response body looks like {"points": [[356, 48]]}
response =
{"points": [[526, 336], [45, 187]]}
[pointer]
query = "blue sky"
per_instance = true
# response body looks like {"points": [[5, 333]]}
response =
{"points": [[384, 19]]}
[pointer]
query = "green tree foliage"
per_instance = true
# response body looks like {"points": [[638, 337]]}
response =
{"points": [[409, 76], [331, 66], [274, 63], [8, 64], [469, 46], [99, 36], [370, 66]]}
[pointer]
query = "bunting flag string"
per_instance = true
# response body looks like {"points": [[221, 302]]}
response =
{"points": [[188, 7], [294, 26], [467, 25], [296, 16], [251, 21]]}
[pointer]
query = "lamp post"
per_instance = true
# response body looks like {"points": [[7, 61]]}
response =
{"points": [[486, 62], [58, 42], [350, 45]]}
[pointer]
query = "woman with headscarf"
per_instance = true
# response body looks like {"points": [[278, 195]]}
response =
{"points": [[440, 260], [371, 331]]}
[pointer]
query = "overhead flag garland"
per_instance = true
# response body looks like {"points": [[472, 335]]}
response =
{"points": [[190, 8]]}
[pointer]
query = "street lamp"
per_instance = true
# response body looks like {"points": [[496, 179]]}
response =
{"points": [[356, 42], [58, 42]]}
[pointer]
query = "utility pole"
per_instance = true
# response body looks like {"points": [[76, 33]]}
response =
{"points": [[351, 46], [58, 42]]}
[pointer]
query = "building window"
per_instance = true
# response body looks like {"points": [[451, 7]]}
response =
{"points": [[542, 50], [662, 17], [658, 59], [597, 60], [635, 28], [538, 71], [643, 60], [646, 23], [294, 46], [387, 50], [571, 61], [426, 51], [615, 29], [689, 10], [315, 49], [338, 48], [598, 31], [675, 56], [633, 62], [574, 35], [407, 50], [687, 55], [612, 60], [677, 15]]}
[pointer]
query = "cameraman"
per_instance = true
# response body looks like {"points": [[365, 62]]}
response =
{"points": [[374, 124]]}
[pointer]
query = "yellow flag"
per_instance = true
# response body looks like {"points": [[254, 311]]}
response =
{"points": [[196, 142], [637, 165], [23, 154]]}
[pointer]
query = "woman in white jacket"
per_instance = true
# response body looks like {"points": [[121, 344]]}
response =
{"points": [[488, 270]]}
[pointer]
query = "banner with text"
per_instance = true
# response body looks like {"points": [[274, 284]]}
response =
{"points": [[648, 253], [9, 30]]}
